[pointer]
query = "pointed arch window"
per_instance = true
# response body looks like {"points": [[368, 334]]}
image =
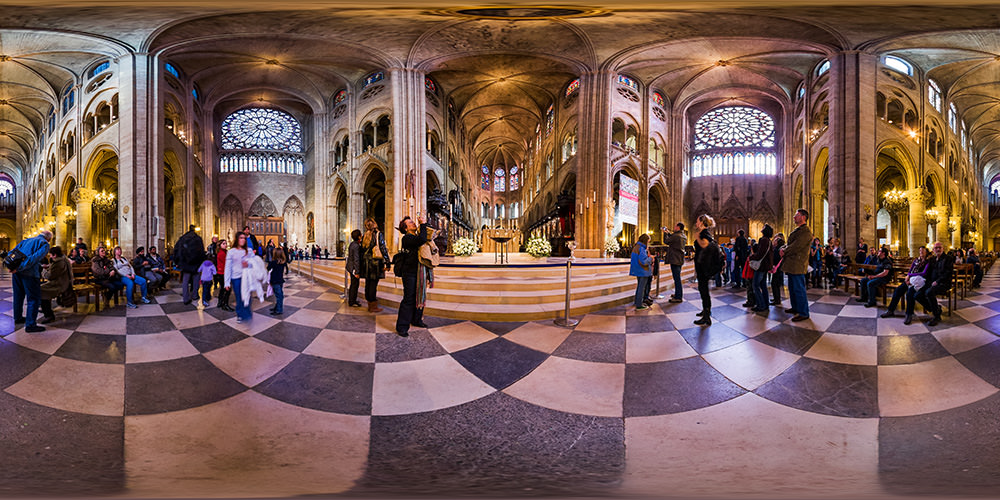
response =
{"points": [[550, 119], [823, 67], [499, 179], [732, 140], [572, 87], [659, 100], [170, 68], [953, 117], [100, 68], [484, 178], [372, 79], [261, 140], [515, 178], [339, 98], [934, 95], [899, 65]]}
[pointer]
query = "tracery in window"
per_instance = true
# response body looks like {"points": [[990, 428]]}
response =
{"points": [[499, 179], [658, 99], [628, 82], [100, 68], [429, 85], [484, 178], [572, 87], [339, 97], [515, 178], [734, 140], [372, 79], [550, 119], [261, 140], [934, 94]]}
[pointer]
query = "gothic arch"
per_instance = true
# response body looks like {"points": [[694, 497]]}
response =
{"points": [[263, 207], [295, 223], [231, 217]]}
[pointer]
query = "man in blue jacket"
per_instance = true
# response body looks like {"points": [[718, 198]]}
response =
{"points": [[27, 280]]}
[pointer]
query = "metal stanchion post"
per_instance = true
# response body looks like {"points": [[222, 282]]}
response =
{"points": [[566, 320], [347, 280], [312, 275], [660, 268]]}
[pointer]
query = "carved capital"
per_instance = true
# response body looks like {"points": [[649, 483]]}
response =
{"points": [[83, 195]]}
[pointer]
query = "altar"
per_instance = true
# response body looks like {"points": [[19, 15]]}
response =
{"points": [[489, 245]]}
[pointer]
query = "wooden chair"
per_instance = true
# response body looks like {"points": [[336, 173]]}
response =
{"points": [[84, 286]]}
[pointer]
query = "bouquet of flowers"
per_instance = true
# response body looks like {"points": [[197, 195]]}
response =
{"points": [[611, 245], [538, 247], [464, 247]]}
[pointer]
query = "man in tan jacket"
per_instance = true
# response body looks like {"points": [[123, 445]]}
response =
{"points": [[795, 262]]}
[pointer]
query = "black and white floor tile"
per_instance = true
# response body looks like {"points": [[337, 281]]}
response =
{"points": [[174, 400]]}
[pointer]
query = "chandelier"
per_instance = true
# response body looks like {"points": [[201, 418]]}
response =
{"points": [[931, 216], [952, 226], [69, 216], [895, 201], [105, 202]]}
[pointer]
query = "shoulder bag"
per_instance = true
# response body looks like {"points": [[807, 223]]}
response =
{"points": [[429, 255], [376, 251], [14, 259]]}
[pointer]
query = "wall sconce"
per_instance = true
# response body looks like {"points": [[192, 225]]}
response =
{"points": [[868, 212]]}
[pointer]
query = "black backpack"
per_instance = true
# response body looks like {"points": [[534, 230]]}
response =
{"points": [[397, 262], [715, 258]]}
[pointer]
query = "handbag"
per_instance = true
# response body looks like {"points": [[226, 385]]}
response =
{"points": [[429, 255], [755, 264], [376, 252], [14, 259]]}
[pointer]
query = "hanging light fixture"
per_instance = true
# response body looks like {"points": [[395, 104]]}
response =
{"points": [[931, 216], [105, 202], [895, 201]]}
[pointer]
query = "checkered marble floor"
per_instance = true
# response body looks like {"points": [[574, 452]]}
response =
{"points": [[174, 400]]}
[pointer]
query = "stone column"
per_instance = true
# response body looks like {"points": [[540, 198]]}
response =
{"points": [[941, 228], [917, 236], [956, 236], [593, 159], [852, 151], [84, 198], [63, 236], [406, 190]]}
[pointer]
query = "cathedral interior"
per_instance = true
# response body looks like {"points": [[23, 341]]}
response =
{"points": [[124, 123]]}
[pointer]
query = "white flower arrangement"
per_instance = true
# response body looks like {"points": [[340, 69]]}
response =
{"points": [[611, 245], [464, 247], [538, 247]]}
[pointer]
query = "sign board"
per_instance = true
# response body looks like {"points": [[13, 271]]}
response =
{"points": [[628, 200]]}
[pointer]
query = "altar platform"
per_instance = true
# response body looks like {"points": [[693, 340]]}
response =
{"points": [[475, 288]]}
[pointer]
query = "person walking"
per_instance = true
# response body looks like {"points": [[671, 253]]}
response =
{"points": [[220, 276], [795, 257], [128, 277], [742, 250], [354, 268], [207, 273], [412, 275], [189, 253], [942, 266], [26, 279], [702, 267], [374, 262], [914, 281], [276, 267], [642, 268], [675, 257], [777, 277], [237, 260], [762, 259], [59, 278]]}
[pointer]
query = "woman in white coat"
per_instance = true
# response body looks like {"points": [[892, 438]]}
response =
{"points": [[237, 260]]}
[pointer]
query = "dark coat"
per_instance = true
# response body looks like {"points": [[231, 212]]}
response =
{"points": [[60, 277], [411, 249], [796, 259], [373, 269], [354, 258], [675, 248], [741, 247], [189, 252], [941, 270]]}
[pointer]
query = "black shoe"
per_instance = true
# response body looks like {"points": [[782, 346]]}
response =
{"points": [[356, 304], [790, 310], [187, 303], [889, 314], [704, 321], [908, 319], [701, 314], [760, 309], [934, 321], [869, 304], [675, 300], [18, 321], [747, 304], [420, 325], [34, 329], [648, 302], [800, 317], [48, 319], [402, 334], [276, 313], [775, 302]]}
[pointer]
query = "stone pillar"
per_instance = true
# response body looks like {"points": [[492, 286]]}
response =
{"points": [[136, 178], [63, 236], [593, 159], [917, 236], [852, 152], [941, 228], [84, 198], [406, 190], [956, 236]]}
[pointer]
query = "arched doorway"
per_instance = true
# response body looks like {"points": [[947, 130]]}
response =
{"points": [[374, 192], [655, 218], [104, 219], [173, 198], [341, 224], [892, 221]]}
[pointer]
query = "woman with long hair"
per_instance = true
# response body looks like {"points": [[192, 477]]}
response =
{"points": [[762, 255], [374, 262], [129, 278], [236, 261], [701, 267]]}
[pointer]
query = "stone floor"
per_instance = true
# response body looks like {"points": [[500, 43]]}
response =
{"points": [[172, 401]]}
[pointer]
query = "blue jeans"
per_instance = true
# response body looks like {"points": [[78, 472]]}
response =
{"points": [[759, 286], [130, 284], [869, 286], [30, 287], [797, 294], [903, 290], [279, 297], [640, 290], [675, 271], [242, 310]]}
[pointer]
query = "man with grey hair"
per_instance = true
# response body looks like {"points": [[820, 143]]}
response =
{"points": [[27, 278], [795, 257]]}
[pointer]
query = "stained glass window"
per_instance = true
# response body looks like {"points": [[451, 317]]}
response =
{"points": [[484, 178], [429, 85], [100, 68], [658, 99], [898, 65], [499, 179], [572, 87], [734, 126], [734, 140], [515, 178], [373, 78], [172, 70], [262, 140], [823, 68], [628, 82], [802, 91], [550, 120], [339, 97], [6, 187], [194, 93], [934, 94]]}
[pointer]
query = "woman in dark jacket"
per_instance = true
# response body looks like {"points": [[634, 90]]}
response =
{"points": [[373, 264], [409, 273], [778, 277], [354, 268], [701, 226], [60, 278], [763, 254]]}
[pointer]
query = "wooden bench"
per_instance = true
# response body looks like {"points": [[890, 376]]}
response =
{"points": [[84, 286]]}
